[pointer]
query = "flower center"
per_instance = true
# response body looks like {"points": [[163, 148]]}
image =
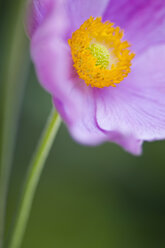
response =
{"points": [[100, 56]]}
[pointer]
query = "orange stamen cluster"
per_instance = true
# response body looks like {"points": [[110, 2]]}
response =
{"points": [[91, 36]]}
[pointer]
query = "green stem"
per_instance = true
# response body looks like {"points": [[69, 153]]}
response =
{"points": [[14, 75], [33, 176]]}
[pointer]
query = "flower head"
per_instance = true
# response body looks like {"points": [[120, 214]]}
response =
{"points": [[103, 63], [100, 56]]}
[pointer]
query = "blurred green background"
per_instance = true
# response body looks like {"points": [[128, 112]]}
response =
{"points": [[88, 197]]}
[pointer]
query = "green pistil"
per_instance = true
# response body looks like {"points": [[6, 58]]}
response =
{"points": [[101, 53]]}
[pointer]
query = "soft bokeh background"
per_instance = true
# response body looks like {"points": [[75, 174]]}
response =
{"points": [[88, 197]]}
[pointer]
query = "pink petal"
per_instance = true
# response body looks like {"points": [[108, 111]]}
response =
{"points": [[79, 11], [49, 49], [77, 108], [142, 20], [38, 11], [53, 63], [137, 106], [128, 142]]}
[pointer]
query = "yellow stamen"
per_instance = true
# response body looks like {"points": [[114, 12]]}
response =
{"points": [[100, 56]]}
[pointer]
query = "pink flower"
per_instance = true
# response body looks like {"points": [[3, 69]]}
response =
{"points": [[131, 112]]}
